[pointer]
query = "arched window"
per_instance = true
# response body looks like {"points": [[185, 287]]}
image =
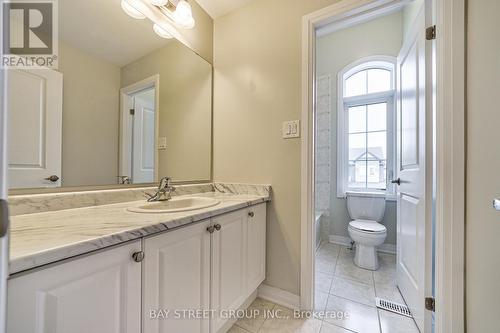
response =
{"points": [[366, 127]]}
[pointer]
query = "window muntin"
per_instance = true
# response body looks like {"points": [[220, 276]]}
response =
{"points": [[367, 98], [368, 81], [367, 145]]}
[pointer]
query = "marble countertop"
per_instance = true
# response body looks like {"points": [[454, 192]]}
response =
{"points": [[42, 238]]}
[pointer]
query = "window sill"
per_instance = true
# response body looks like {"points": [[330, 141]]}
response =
{"points": [[388, 196]]}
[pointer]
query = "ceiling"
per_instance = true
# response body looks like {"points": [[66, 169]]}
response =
{"points": [[218, 8], [102, 29]]}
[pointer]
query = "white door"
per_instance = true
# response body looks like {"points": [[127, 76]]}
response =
{"points": [[100, 293], [176, 278], [256, 247], [411, 170], [143, 143], [228, 265], [4, 218], [34, 106]]}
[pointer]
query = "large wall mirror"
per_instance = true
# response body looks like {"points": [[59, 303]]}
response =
{"points": [[125, 106]]}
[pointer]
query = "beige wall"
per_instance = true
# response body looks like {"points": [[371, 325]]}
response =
{"points": [[90, 118], [257, 58], [382, 36], [483, 167], [410, 12], [185, 109]]}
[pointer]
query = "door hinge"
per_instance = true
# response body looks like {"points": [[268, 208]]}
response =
{"points": [[132, 112], [430, 304], [430, 33]]}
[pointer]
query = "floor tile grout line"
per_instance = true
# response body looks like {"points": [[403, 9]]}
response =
{"points": [[352, 280], [350, 300], [347, 329]]}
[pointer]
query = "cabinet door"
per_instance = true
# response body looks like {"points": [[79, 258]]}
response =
{"points": [[228, 264], [176, 279], [256, 247], [100, 293]]}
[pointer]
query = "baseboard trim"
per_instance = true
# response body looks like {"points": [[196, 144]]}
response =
{"points": [[346, 241], [279, 296]]}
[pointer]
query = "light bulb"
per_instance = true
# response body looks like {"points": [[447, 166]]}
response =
{"points": [[162, 32], [159, 2], [131, 11], [183, 15]]}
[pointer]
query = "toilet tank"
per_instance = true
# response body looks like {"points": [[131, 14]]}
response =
{"points": [[366, 206]]}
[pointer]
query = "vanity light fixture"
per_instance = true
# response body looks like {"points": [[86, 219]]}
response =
{"points": [[129, 8], [165, 14], [162, 32], [183, 15], [159, 2]]}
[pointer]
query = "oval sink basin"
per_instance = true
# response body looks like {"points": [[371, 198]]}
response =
{"points": [[175, 205]]}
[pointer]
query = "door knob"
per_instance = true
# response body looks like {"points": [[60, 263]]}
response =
{"points": [[396, 181], [251, 214], [52, 178], [218, 227], [211, 229], [138, 256]]}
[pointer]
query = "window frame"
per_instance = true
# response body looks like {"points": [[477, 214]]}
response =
{"points": [[344, 103]]}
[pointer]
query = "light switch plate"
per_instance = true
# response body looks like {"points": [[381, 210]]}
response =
{"points": [[162, 143], [291, 129]]}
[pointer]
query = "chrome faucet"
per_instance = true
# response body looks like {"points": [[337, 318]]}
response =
{"points": [[164, 191]]}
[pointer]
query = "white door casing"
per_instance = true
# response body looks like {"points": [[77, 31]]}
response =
{"points": [[143, 143], [177, 277], [34, 106], [411, 170], [99, 293]]}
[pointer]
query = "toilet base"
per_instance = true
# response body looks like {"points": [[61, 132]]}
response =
{"points": [[366, 257]]}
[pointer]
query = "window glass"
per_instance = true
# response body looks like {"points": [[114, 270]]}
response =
{"points": [[357, 146], [357, 119], [367, 147], [377, 145], [367, 127], [376, 175], [355, 84], [377, 117], [379, 80]]}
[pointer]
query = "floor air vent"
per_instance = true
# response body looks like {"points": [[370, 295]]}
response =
{"points": [[393, 307]]}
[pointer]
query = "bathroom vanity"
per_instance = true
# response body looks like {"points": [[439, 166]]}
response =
{"points": [[104, 268]]}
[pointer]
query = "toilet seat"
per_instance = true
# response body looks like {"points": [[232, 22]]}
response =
{"points": [[367, 226]]}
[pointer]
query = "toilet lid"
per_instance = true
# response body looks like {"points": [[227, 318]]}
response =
{"points": [[369, 226]]}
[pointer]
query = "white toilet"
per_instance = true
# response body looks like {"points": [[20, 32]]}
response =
{"points": [[366, 210]]}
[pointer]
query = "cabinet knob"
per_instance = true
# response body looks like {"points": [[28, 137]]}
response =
{"points": [[138, 256], [251, 214], [218, 227], [52, 178], [211, 229]]}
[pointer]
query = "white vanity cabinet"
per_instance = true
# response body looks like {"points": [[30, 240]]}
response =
{"points": [[238, 260], [228, 265], [98, 293], [175, 281], [176, 278], [256, 247]]}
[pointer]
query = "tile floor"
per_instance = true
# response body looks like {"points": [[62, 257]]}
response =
{"points": [[340, 286]]}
